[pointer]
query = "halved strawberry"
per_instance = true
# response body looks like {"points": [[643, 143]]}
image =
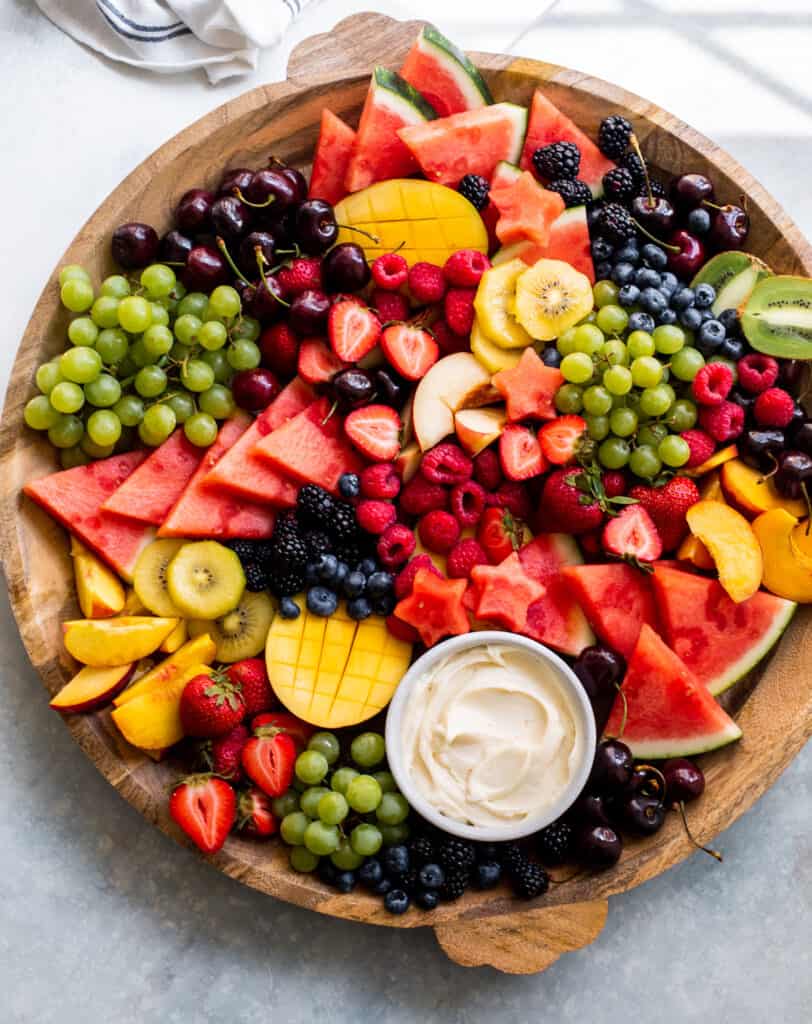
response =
{"points": [[255, 817], [498, 533], [353, 330], [375, 432], [205, 807], [268, 759], [520, 453], [317, 364], [559, 439], [633, 535], [411, 350]]}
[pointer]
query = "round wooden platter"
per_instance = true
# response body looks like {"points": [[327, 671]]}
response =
{"points": [[332, 70]]}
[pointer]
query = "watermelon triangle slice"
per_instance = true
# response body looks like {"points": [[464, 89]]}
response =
{"points": [[569, 241], [332, 158], [555, 618], [443, 74], [74, 497], [669, 712], [719, 640], [616, 599], [206, 511]]}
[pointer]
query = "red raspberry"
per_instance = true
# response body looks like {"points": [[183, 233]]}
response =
{"points": [[488, 469], [468, 503], [464, 556], [774, 408], [390, 305], [375, 516], [614, 483], [380, 481], [395, 545], [401, 630], [464, 268], [459, 309], [303, 274], [757, 372], [513, 496], [439, 531], [723, 422], [404, 580], [280, 349], [446, 464], [712, 384], [390, 271], [419, 496], [448, 341], [426, 283], [701, 444]]}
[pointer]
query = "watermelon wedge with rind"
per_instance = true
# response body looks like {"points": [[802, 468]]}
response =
{"points": [[668, 712], [569, 241], [719, 640], [74, 497], [472, 142], [331, 160], [379, 153], [616, 600], [442, 73], [556, 618]]}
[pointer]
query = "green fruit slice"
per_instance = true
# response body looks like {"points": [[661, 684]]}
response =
{"points": [[149, 578], [205, 580], [733, 276], [242, 631], [777, 318]]}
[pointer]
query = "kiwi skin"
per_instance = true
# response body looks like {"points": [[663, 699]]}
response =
{"points": [[149, 577], [789, 337], [241, 633]]}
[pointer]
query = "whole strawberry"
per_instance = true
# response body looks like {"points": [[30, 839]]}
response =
{"points": [[210, 706], [565, 506], [300, 276], [254, 815], [667, 506], [222, 754], [251, 676]]}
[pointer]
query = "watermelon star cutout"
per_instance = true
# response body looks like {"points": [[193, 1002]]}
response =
{"points": [[505, 593], [434, 607], [529, 388]]}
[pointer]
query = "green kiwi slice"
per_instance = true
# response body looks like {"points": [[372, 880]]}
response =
{"points": [[777, 318], [205, 580], [241, 632], [733, 276], [149, 577]]}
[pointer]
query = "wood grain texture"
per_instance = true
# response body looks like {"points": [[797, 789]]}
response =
{"points": [[332, 69]]}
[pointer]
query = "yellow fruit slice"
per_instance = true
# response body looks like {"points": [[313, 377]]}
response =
{"points": [[785, 573], [199, 651], [422, 220], [241, 632], [494, 297], [149, 576], [492, 356], [98, 589], [176, 639], [152, 721], [732, 544], [205, 580], [106, 643], [551, 296]]}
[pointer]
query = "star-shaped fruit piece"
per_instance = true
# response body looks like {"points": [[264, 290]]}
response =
{"points": [[434, 607], [529, 388], [505, 593]]}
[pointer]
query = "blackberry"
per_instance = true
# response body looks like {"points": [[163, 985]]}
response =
{"points": [[256, 576], [315, 506], [245, 550], [284, 581], [318, 543], [455, 884], [613, 136], [290, 550], [554, 843], [560, 160], [352, 552], [632, 162], [573, 191], [529, 880], [619, 185], [343, 524], [658, 190], [511, 856], [616, 223], [456, 855], [476, 190], [423, 850]]}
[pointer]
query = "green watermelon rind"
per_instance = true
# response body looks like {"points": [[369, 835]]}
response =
{"points": [[519, 115], [748, 661], [395, 92], [657, 750], [468, 79], [505, 173]]}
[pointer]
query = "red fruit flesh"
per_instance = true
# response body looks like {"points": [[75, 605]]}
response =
{"points": [[632, 534], [206, 809], [561, 438], [504, 593], [556, 618], [283, 721], [149, 493], [375, 431], [331, 159], [617, 601], [353, 329], [410, 350], [268, 760], [520, 453], [497, 534], [317, 364], [529, 388], [526, 211], [434, 607]]}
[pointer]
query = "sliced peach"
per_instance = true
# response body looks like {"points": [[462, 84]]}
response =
{"points": [[717, 459], [785, 574], [133, 605], [732, 545], [477, 428], [801, 543], [692, 549], [752, 493], [104, 643], [199, 651], [152, 721], [91, 688], [176, 639], [408, 462], [99, 590]]}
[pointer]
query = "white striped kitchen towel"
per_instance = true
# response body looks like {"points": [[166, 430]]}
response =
{"points": [[221, 36]]}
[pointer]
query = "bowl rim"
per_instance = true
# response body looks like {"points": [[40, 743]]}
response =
{"points": [[575, 691]]}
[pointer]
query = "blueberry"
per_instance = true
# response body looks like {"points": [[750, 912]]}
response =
{"points": [[551, 356], [641, 322], [381, 887], [379, 584], [667, 316], [384, 605], [328, 566], [712, 333], [354, 584], [396, 859], [345, 881], [349, 486], [668, 283], [288, 608], [431, 876], [396, 901], [327, 871], [367, 566], [321, 601], [602, 250], [628, 295], [603, 270], [312, 573], [426, 898], [622, 273], [370, 872], [704, 296], [652, 300], [654, 256], [732, 348], [359, 608], [647, 278], [699, 221], [682, 299], [341, 574], [628, 254], [487, 874], [691, 318], [729, 318]]}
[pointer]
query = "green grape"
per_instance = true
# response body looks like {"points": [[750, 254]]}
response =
{"points": [[645, 462], [103, 392], [568, 398], [363, 794], [157, 341], [617, 380], [366, 840], [67, 397], [681, 416], [286, 804], [186, 328], [631, 401], [96, 451], [345, 857], [182, 405], [248, 328], [77, 295], [48, 376], [112, 345], [178, 292], [687, 363], [81, 364], [243, 354], [66, 432], [566, 342], [655, 401], [321, 839], [589, 318], [651, 434], [589, 338], [72, 271], [646, 371], [393, 809], [368, 749], [623, 422], [139, 354], [70, 458], [292, 828], [326, 743], [217, 401], [672, 395], [386, 780], [605, 293], [104, 311], [577, 367], [302, 860], [160, 315], [200, 429], [40, 414], [614, 453], [640, 343], [596, 400], [193, 304], [158, 280], [311, 767], [212, 335], [613, 319], [130, 410], [158, 423], [615, 352], [195, 375], [341, 779], [150, 381], [674, 451], [103, 427], [135, 314], [597, 427], [394, 834], [333, 808], [116, 285], [82, 331], [225, 301], [309, 800], [668, 338], [221, 366]]}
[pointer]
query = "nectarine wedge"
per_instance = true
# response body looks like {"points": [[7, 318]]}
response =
{"points": [[477, 428], [751, 493], [91, 688], [104, 643], [176, 639], [717, 459], [801, 543], [692, 549], [454, 382], [732, 545], [98, 589], [152, 721], [785, 574], [199, 651]]}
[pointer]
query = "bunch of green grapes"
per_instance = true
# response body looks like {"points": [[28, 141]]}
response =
{"points": [[144, 357], [337, 811], [632, 387]]}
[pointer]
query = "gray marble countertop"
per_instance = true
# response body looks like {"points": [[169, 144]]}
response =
{"points": [[104, 919]]}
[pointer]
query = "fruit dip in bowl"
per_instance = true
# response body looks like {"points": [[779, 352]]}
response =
{"points": [[490, 736]]}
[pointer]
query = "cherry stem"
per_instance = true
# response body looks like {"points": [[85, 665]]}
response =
{"points": [[221, 245], [374, 238], [805, 493], [625, 716], [634, 143], [255, 206], [652, 238], [331, 413], [659, 777], [705, 849], [261, 261], [763, 479]]}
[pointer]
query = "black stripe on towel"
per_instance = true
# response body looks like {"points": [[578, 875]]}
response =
{"points": [[134, 24], [184, 31]]}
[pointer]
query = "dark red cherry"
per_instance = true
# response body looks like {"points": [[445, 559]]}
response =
{"points": [[684, 780], [230, 217], [299, 182], [590, 809], [235, 178], [134, 245], [690, 257], [174, 247], [205, 269], [264, 300], [730, 227], [601, 672], [345, 268], [803, 438], [691, 190], [612, 767], [308, 312], [316, 229], [793, 475], [655, 214], [255, 389], [193, 212], [271, 184], [352, 388], [391, 388], [263, 240], [643, 815], [598, 847]]}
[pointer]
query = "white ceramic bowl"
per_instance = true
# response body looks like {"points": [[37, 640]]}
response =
{"points": [[394, 748]]}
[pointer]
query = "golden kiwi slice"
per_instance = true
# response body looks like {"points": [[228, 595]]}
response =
{"points": [[494, 306], [551, 296], [241, 632], [149, 577], [205, 580]]}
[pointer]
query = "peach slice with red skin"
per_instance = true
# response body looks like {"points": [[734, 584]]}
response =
{"points": [[753, 494], [477, 428], [91, 688], [732, 545], [105, 643], [198, 651], [152, 720], [99, 590], [787, 569]]}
